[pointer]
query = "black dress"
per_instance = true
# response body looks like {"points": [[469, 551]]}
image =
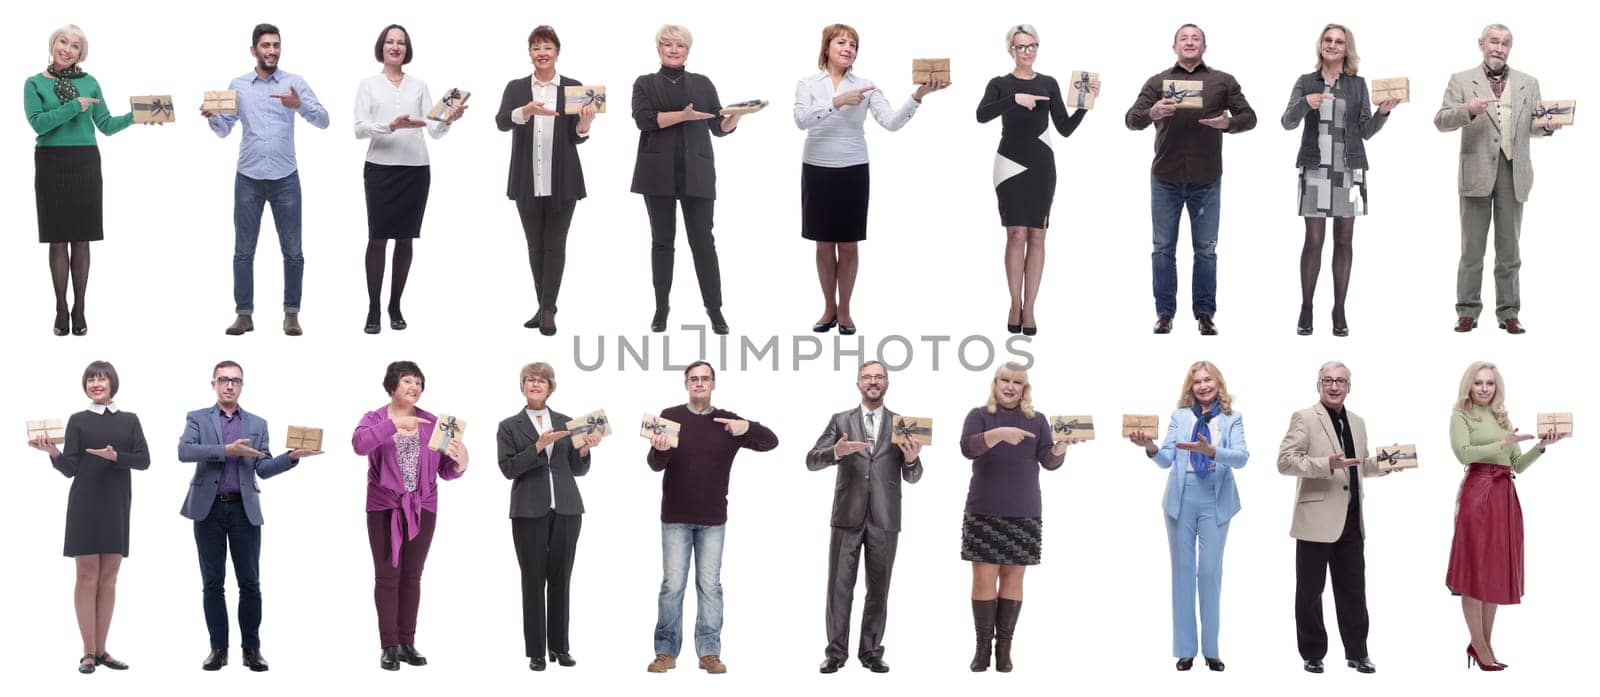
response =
{"points": [[102, 491], [1025, 166]]}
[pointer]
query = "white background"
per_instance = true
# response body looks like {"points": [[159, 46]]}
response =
{"points": [[1097, 613]]}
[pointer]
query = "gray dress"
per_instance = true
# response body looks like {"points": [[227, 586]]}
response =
{"points": [[1331, 189]]}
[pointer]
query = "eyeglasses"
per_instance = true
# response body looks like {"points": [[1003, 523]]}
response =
{"points": [[1329, 382], [874, 378], [1025, 48], [228, 381]]}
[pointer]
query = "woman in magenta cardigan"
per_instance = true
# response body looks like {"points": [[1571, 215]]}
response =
{"points": [[402, 500]]}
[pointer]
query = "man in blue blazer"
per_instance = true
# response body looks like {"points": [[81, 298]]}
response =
{"points": [[229, 447]]}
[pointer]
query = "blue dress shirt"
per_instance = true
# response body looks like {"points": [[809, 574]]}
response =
{"points": [[266, 148]]}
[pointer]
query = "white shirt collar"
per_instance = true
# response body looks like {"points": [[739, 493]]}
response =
{"points": [[545, 412], [103, 408], [540, 83], [690, 407]]}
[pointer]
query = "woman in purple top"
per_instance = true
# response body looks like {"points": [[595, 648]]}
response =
{"points": [[1000, 533], [402, 499]]}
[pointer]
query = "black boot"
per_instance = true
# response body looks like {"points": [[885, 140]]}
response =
{"points": [[1005, 624], [658, 322], [983, 612], [390, 659]]}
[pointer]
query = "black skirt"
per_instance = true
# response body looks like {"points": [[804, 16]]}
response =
{"points": [[998, 540], [833, 203], [397, 196], [66, 183]]}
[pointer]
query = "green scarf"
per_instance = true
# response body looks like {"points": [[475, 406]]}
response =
{"points": [[65, 90]]}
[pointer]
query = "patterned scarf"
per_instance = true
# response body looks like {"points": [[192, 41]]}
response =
{"points": [[1200, 462], [1497, 80], [65, 90]]}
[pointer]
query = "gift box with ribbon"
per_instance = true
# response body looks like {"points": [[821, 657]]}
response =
{"points": [[1189, 94], [153, 109], [445, 429], [1396, 457], [1078, 94], [1560, 421], [742, 108], [926, 70], [51, 428], [1386, 89], [450, 100], [1142, 423], [221, 102], [1560, 111], [303, 438], [914, 427], [594, 422], [577, 96], [1071, 427], [651, 424]]}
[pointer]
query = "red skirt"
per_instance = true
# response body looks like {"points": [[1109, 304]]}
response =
{"points": [[1486, 554]]}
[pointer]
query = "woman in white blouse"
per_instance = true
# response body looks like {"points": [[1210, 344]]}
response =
{"points": [[831, 107], [390, 109]]}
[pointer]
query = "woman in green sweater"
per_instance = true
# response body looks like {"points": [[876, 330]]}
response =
{"points": [[64, 106]]}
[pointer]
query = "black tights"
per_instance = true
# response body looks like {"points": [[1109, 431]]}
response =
{"points": [[402, 268], [1344, 230], [69, 258]]}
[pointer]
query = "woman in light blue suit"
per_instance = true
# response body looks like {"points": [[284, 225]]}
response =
{"points": [[1200, 500]]}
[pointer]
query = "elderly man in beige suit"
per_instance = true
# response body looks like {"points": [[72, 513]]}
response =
{"points": [[1326, 448], [1494, 107]]}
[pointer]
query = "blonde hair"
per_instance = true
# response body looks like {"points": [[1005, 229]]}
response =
{"points": [[1186, 396], [1497, 405], [831, 32], [1026, 403], [674, 31], [541, 370], [1011, 34], [71, 30], [1352, 59]]}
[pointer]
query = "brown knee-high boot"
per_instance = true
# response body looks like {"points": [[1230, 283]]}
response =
{"points": [[1005, 624], [983, 614]]}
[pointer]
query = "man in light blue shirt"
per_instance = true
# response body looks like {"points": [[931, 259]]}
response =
{"points": [[268, 99]]}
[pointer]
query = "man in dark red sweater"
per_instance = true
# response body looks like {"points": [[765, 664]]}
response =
{"points": [[694, 509]]}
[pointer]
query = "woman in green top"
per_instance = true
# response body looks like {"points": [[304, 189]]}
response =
{"points": [[64, 106], [1486, 553]]}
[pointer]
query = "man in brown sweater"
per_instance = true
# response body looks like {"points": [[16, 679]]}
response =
{"points": [[694, 509]]}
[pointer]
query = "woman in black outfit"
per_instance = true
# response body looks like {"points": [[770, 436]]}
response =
{"points": [[103, 445], [1025, 166], [675, 164]]}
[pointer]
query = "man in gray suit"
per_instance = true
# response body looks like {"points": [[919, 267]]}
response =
{"points": [[1495, 109], [866, 513], [229, 447]]}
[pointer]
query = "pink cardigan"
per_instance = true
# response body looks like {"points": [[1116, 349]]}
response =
{"points": [[386, 489]]}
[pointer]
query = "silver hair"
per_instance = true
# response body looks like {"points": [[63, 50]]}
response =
{"points": [[1020, 29], [1331, 365], [71, 30], [1493, 27], [675, 31]]}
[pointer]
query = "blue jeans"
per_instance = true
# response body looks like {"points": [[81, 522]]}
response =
{"points": [[1196, 564], [249, 197], [227, 526], [1167, 200], [677, 541]]}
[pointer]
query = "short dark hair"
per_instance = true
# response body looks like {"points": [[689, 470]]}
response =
{"points": [[1195, 27], [400, 369], [377, 50], [697, 364], [226, 364], [101, 369], [544, 32], [872, 362], [261, 29]]}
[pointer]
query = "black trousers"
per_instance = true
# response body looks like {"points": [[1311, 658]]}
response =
{"points": [[844, 557], [1346, 558], [545, 550], [697, 214], [545, 221]]}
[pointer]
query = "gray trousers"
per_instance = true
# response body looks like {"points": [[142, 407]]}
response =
{"points": [[1502, 208]]}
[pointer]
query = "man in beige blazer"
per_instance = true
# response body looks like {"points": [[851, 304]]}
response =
{"points": [[1493, 106], [1326, 448]]}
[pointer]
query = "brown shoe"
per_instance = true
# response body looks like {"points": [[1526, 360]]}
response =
{"points": [[1207, 327], [1466, 324], [291, 323], [1512, 326], [241, 324], [1163, 324], [710, 663], [662, 664]]}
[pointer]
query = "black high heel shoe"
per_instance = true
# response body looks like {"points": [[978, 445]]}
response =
{"points": [[718, 324], [373, 327], [80, 326], [563, 658], [821, 327], [1303, 325], [1026, 329], [397, 322], [658, 322], [1215, 664], [1014, 328], [1340, 328], [61, 327]]}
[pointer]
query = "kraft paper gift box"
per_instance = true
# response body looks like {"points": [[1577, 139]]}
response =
{"points": [[1560, 421], [1145, 423], [1560, 111], [156, 108], [1390, 88], [1189, 94], [1064, 427], [651, 424], [450, 99], [222, 102], [445, 429], [594, 422], [1396, 457], [1078, 94], [47, 427], [742, 108], [303, 438], [579, 95], [926, 70], [915, 427]]}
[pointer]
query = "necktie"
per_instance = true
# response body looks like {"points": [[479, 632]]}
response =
{"points": [[872, 431]]}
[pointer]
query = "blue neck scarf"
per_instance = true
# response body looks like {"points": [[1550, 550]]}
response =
{"points": [[1200, 462]]}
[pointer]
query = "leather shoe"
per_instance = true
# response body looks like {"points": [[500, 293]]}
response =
{"points": [[658, 323], [1207, 327], [875, 664], [536, 663], [1466, 324], [1313, 665], [252, 660], [1215, 664], [86, 664], [712, 663], [547, 323], [109, 662], [1164, 326], [408, 653], [1512, 326], [720, 325], [1362, 665], [1185, 663], [830, 665], [390, 659], [373, 325], [563, 658], [215, 660], [241, 324], [822, 327], [397, 322], [291, 323], [662, 664]]}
